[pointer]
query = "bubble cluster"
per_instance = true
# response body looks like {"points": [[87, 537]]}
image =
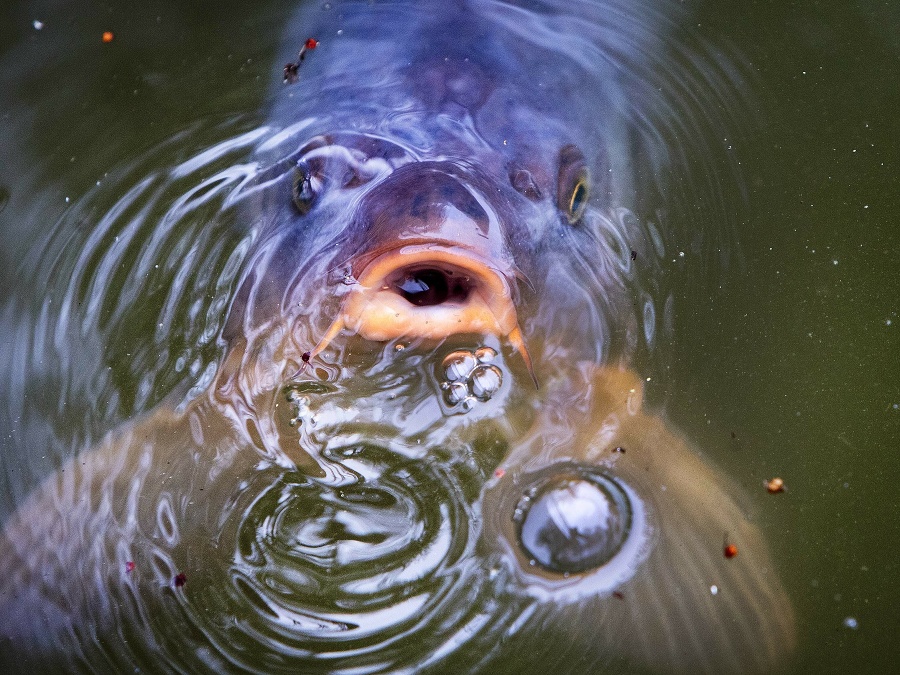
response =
{"points": [[468, 377]]}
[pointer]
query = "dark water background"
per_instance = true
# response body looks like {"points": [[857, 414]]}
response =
{"points": [[790, 354]]}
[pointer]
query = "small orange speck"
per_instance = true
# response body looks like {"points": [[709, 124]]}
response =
{"points": [[775, 485], [499, 473], [730, 551], [108, 36]]}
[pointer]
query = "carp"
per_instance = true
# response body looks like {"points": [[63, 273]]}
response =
{"points": [[425, 447]]}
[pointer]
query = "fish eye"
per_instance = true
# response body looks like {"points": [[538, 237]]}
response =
{"points": [[327, 166], [578, 201], [573, 185], [303, 193]]}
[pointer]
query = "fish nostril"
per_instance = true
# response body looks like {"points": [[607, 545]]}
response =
{"points": [[430, 287]]}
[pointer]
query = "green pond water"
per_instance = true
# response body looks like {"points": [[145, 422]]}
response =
{"points": [[785, 362]]}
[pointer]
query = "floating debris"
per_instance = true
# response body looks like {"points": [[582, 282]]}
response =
{"points": [[108, 36], [290, 69], [729, 550], [774, 485], [180, 579]]}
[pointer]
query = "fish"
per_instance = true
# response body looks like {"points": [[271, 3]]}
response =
{"points": [[425, 447], [667, 597]]}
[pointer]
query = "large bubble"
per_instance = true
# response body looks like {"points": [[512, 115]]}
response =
{"points": [[574, 523]]}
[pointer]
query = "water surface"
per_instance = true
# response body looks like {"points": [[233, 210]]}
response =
{"points": [[117, 157]]}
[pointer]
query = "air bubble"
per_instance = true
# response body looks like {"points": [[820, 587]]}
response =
{"points": [[575, 523], [458, 365], [456, 392], [486, 381], [485, 355]]}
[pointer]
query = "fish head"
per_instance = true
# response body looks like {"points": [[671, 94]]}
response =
{"points": [[463, 187], [467, 238]]}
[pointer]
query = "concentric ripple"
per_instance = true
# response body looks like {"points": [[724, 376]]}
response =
{"points": [[354, 568]]}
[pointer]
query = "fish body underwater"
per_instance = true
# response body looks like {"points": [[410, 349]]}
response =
{"points": [[425, 448]]}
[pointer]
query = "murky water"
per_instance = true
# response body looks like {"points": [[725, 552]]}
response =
{"points": [[349, 525]]}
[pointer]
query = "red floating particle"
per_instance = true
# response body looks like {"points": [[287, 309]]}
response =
{"points": [[499, 472], [291, 69], [618, 595], [129, 566], [775, 485], [730, 551], [180, 579], [108, 36]]}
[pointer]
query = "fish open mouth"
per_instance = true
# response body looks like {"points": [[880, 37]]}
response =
{"points": [[429, 291]]}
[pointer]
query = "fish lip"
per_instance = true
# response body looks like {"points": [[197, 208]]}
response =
{"points": [[375, 310]]}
